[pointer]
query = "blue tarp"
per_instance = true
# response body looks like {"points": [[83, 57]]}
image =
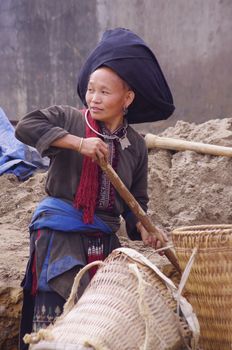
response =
{"points": [[15, 157]]}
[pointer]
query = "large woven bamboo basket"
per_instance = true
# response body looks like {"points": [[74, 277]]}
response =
{"points": [[127, 306], [209, 286]]}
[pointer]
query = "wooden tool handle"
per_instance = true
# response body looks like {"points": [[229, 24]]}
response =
{"points": [[136, 209], [153, 141]]}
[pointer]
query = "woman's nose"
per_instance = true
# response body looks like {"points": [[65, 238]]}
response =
{"points": [[96, 97]]}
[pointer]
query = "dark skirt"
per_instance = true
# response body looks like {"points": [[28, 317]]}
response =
{"points": [[55, 259]]}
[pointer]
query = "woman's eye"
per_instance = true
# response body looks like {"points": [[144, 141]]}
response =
{"points": [[90, 90], [105, 92]]}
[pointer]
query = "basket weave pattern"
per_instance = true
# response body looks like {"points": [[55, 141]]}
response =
{"points": [[209, 286], [126, 306]]}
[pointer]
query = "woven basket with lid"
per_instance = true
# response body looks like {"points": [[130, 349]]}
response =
{"points": [[126, 306], [209, 286]]}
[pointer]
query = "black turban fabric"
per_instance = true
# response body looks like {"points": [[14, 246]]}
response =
{"points": [[129, 56]]}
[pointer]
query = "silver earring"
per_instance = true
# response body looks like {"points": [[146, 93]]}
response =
{"points": [[125, 110]]}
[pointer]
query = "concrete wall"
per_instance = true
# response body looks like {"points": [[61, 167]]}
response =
{"points": [[43, 44]]}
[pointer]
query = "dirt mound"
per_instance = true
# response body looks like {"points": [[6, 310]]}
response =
{"points": [[187, 188], [18, 201]]}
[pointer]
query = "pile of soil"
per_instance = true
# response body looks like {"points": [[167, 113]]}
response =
{"points": [[187, 188], [18, 201]]}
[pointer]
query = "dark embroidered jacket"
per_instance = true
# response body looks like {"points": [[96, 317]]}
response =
{"points": [[41, 127]]}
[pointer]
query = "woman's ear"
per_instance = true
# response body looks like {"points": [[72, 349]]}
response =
{"points": [[130, 98]]}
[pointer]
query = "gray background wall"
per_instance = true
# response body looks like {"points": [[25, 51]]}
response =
{"points": [[43, 44]]}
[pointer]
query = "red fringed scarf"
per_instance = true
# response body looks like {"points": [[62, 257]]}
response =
{"points": [[95, 189], [87, 191]]}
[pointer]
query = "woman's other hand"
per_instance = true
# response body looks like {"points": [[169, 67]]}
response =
{"points": [[150, 239]]}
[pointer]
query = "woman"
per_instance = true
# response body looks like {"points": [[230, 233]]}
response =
{"points": [[76, 223]]}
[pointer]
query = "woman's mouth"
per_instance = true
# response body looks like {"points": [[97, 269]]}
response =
{"points": [[95, 109]]}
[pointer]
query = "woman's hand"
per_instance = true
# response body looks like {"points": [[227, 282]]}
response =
{"points": [[94, 148], [150, 239]]}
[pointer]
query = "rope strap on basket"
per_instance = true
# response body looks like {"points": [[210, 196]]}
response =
{"points": [[45, 334], [182, 303], [71, 301]]}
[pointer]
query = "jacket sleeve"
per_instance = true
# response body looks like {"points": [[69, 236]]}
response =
{"points": [[139, 191], [41, 127]]}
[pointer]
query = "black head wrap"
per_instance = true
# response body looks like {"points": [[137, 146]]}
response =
{"points": [[128, 55]]}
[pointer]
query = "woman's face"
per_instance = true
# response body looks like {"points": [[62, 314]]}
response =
{"points": [[107, 96]]}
